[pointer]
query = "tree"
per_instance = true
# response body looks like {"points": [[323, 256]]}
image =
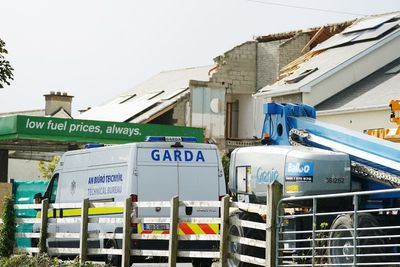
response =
{"points": [[5, 68], [46, 169]]}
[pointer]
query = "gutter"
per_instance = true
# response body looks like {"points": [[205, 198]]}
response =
{"points": [[352, 110]]}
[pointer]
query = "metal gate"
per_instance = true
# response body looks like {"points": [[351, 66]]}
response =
{"points": [[349, 229]]}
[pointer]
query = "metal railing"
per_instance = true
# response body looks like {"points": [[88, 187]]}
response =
{"points": [[347, 229], [83, 218], [126, 238]]}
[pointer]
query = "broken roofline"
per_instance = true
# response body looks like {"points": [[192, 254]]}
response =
{"points": [[307, 86], [291, 34], [312, 30]]}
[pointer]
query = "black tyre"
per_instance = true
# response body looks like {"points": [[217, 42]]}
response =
{"points": [[201, 262], [233, 246], [366, 220], [341, 245], [112, 260], [238, 248]]}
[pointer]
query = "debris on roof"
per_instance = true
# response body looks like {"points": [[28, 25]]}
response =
{"points": [[365, 34], [364, 29], [317, 34]]}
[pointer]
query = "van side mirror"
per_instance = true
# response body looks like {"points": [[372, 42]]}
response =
{"points": [[37, 198]]}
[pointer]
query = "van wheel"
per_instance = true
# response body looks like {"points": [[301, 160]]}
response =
{"points": [[234, 247], [110, 259]]}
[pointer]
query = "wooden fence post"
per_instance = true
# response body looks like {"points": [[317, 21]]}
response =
{"points": [[274, 194], [126, 241], [43, 226], [224, 231], [173, 232], [84, 230]]}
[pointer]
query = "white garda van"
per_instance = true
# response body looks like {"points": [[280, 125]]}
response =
{"points": [[155, 170]]}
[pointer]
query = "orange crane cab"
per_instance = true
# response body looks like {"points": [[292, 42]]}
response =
{"points": [[392, 134]]}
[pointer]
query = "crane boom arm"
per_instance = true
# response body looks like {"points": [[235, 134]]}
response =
{"points": [[282, 119]]}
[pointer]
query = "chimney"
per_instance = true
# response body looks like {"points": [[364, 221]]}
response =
{"points": [[57, 100]]}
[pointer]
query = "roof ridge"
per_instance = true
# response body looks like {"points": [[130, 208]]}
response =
{"points": [[20, 111], [187, 68]]}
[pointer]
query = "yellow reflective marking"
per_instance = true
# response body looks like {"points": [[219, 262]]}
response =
{"points": [[215, 228], [77, 212], [195, 228], [292, 188]]}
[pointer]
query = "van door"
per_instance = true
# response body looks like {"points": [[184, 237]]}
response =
{"points": [[157, 179], [52, 196], [198, 180]]}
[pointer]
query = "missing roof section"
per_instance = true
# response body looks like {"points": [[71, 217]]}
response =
{"points": [[142, 112], [155, 94], [370, 23], [127, 99], [363, 30], [121, 99], [174, 94], [394, 70], [301, 76]]}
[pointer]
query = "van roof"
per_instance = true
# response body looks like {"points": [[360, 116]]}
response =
{"points": [[145, 145]]}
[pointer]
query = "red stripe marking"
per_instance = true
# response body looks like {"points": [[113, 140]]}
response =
{"points": [[185, 229], [147, 231], [165, 232], [206, 229]]}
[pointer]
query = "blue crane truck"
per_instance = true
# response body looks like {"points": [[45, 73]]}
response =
{"points": [[321, 163]]}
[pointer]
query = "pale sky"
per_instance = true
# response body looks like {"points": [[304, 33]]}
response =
{"points": [[97, 49]]}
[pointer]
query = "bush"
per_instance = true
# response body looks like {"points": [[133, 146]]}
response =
{"points": [[41, 261], [7, 229], [225, 164]]}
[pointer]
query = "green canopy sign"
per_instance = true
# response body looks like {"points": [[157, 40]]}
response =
{"points": [[57, 129]]}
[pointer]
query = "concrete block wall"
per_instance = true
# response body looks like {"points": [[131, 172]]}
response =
{"points": [[237, 70], [179, 114], [274, 55], [267, 62], [291, 49]]}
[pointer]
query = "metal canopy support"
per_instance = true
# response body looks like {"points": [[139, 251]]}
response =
{"points": [[3, 166]]}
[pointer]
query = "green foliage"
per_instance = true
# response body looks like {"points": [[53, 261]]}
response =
{"points": [[7, 229], [47, 168], [42, 260], [321, 243], [225, 164], [5, 68]]}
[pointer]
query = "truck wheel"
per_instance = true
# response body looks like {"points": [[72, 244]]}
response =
{"points": [[238, 248], [366, 220], [112, 260], [340, 244], [201, 262], [341, 250]]}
